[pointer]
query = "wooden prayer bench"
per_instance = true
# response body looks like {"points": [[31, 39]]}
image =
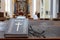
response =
{"points": [[2, 18]]}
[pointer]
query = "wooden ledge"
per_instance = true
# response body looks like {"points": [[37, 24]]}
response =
{"points": [[56, 19]]}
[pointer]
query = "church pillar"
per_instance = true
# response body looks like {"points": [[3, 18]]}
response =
{"points": [[9, 7], [54, 9], [32, 6], [34, 10], [38, 6], [42, 9]]}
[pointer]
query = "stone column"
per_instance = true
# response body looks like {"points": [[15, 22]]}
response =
{"points": [[11, 8], [42, 9], [32, 6], [54, 9]]}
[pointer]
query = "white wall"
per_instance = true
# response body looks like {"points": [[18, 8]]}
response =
{"points": [[2, 6]]}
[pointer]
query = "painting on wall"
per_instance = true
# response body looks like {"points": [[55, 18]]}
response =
{"points": [[0, 3], [21, 5]]}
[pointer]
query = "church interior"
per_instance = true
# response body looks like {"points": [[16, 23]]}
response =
{"points": [[31, 19]]}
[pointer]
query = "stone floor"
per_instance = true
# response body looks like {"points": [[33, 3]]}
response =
{"points": [[51, 28]]}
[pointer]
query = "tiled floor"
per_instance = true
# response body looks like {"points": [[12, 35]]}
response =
{"points": [[51, 28]]}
